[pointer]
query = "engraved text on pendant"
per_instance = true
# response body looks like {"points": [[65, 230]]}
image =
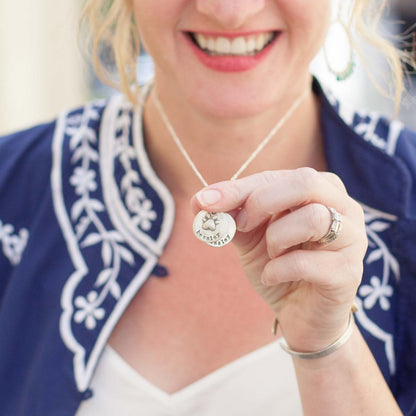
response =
{"points": [[214, 228]]}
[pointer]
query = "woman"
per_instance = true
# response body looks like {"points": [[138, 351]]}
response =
{"points": [[89, 326]]}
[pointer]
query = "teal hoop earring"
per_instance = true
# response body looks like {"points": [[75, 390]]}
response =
{"points": [[339, 28]]}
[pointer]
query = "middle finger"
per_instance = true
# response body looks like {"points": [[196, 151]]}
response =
{"points": [[307, 224], [296, 189]]}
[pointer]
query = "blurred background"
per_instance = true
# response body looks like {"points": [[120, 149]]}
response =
{"points": [[42, 71]]}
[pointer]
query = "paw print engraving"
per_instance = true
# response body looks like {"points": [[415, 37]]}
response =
{"points": [[210, 221]]}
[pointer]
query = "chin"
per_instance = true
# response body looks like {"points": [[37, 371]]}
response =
{"points": [[230, 101], [246, 95], [238, 103], [232, 108], [236, 110]]}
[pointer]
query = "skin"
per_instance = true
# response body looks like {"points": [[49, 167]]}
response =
{"points": [[180, 76], [283, 215], [280, 209]]}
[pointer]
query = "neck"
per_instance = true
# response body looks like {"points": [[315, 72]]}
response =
{"points": [[219, 146]]}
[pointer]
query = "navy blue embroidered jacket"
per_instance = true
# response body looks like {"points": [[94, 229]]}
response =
{"points": [[84, 219]]}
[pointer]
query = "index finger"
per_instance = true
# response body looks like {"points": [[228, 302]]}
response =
{"points": [[269, 193], [228, 195]]}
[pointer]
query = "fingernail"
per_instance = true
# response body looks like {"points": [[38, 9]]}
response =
{"points": [[241, 219], [208, 196]]}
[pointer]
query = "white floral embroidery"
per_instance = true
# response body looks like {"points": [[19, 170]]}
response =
{"points": [[88, 310], [102, 241], [13, 244], [83, 180], [142, 207], [365, 125], [134, 197], [376, 292], [85, 215], [380, 289]]}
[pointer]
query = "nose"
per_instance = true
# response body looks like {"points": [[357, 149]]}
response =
{"points": [[230, 13]]}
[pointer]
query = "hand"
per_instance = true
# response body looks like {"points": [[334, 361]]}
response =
{"points": [[281, 216]]}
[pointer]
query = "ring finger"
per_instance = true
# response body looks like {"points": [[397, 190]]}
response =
{"points": [[307, 224]]}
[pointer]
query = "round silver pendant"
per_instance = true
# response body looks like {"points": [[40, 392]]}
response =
{"points": [[214, 228]]}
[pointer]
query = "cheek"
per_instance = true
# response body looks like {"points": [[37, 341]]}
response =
{"points": [[158, 22], [308, 22], [147, 19], [152, 19]]}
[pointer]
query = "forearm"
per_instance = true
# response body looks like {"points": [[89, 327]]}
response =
{"points": [[347, 382]]}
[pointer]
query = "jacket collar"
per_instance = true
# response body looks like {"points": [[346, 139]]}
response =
{"points": [[361, 149]]}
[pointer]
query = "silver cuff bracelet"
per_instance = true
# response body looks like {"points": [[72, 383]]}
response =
{"points": [[327, 350]]}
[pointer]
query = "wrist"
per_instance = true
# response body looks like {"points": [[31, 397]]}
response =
{"points": [[345, 358], [328, 349], [299, 340]]}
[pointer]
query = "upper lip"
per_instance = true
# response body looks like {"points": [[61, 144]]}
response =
{"points": [[230, 34]]}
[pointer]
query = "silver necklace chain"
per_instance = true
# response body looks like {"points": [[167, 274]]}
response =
{"points": [[218, 228], [258, 149]]}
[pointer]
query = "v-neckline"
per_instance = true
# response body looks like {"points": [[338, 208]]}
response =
{"points": [[197, 386]]}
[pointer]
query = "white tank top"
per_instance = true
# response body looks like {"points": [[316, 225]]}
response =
{"points": [[261, 383]]}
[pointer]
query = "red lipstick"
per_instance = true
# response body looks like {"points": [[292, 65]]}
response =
{"points": [[230, 63]]}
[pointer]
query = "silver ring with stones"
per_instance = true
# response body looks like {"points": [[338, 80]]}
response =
{"points": [[334, 229]]}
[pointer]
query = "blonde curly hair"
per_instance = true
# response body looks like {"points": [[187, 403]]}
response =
{"points": [[114, 43]]}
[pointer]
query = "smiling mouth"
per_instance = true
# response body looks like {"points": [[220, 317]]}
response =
{"points": [[249, 45]]}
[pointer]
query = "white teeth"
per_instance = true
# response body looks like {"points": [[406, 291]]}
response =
{"points": [[237, 46], [268, 37], [259, 42], [210, 44], [201, 41], [222, 46], [251, 45]]}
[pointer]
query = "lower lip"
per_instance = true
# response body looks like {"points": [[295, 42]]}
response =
{"points": [[231, 63]]}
